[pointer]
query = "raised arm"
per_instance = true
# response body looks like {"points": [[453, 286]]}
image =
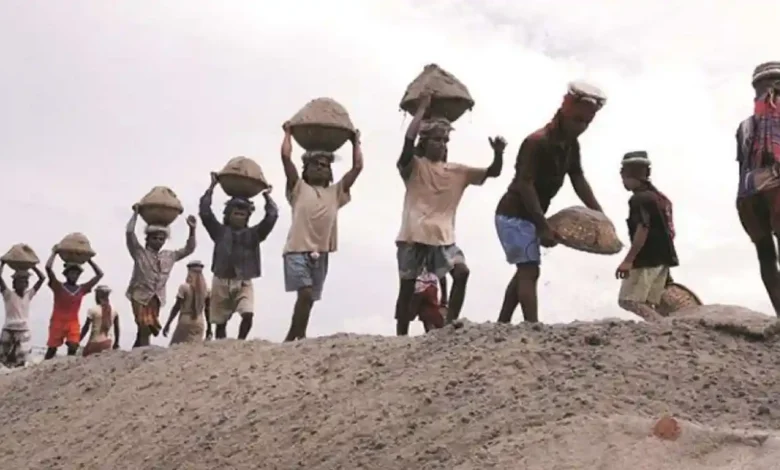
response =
{"points": [[264, 227], [207, 217], [357, 164], [498, 144], [290, 171], [191, 244], [580, 183], [40, 281], [49, 267], [406, 159], [3, 286], [133, 245], [89, 285]]}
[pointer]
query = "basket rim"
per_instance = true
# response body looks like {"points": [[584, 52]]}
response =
{"points": [[686, 290]]}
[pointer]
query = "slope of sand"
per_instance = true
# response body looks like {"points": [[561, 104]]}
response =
{"points": [[579, 396]]}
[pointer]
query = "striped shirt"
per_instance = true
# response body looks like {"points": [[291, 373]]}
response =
{"points": [[152, 268]]}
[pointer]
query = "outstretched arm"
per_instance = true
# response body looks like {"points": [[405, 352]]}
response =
{"points": [[89, 285], [133, 246], [357, 164], [290, 172], [263, 229], [40, 281]]}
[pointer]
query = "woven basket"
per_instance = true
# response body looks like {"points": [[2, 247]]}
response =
{"points": [[321, 137], [586, 230], [21, 257], [154, 214], [242, 177], [451, 99], [677, 297], [75, 257]]}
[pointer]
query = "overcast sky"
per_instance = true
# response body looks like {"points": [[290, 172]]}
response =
{"points": [[100, 101]]}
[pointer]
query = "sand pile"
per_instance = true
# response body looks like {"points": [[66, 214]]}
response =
{"points": [[577, 396]]}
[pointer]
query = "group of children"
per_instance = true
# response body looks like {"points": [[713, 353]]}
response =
{"points": [[426, 249]]}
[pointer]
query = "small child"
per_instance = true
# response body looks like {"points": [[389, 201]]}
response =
{"points": [[425, 301], [645, 269]]}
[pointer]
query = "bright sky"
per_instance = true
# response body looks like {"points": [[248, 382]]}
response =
{"points": [[103, 100]]}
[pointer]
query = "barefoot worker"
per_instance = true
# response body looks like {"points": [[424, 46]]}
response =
{"points": [[313, 234], [64, 325], [101, 320], [645, 269], [151, 268], [434, 189], [15, 336], [543, 161], [192, 308], [236, 260]]}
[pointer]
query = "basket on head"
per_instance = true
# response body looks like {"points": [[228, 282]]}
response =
{"points": [[322, 124], [677, 297], [75, 248], [450, 97], [20, 257], [586, 230], [160, 206], [242, 177]]}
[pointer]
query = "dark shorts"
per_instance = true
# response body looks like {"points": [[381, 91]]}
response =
{"points": [[759, 214], [414, 258]]}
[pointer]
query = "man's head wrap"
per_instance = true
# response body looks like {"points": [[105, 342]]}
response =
{"points": [[582, 99], [103, 289], [766, 71], [20, 275], [72, 267], [195, 264], [151, 229]]}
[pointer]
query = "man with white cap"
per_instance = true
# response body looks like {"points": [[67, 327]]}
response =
{"points": [[102, 318], [758, 195], [192, 308], [544, 160], [151, 268], [16, 329]]}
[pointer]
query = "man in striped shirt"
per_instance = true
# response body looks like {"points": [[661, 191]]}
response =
{"points": [[151, 269]]}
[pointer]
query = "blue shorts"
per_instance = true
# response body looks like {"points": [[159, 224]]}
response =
{"points": [[519, 240], [301, 270]]}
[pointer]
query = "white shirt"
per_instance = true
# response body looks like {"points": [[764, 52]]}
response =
{"points": [[17, 309]]}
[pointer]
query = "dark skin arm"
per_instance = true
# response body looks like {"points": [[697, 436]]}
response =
{"points": [[89, 285], [174, 313], [207, 311], [498, 144], [116, 332], [524, 183], [40, 281], [357, 164], [3, 286], [85, 329], [584, 192], [412, 131], [264, 227], [50, 267], [640, 237], [290, 171]]}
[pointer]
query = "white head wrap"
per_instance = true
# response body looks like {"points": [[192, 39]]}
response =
{"points": [[157, 229]]}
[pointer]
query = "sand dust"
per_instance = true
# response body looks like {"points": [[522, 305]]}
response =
{"points": [[579, 396]]}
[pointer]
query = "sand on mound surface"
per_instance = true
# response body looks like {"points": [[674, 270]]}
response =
{"points": [[488, 396]]}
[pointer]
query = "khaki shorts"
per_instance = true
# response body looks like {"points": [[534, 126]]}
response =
{"points": [[644, 285], [229, 296]]}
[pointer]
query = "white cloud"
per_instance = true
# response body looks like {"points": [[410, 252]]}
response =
{"points": [[104, 100]]}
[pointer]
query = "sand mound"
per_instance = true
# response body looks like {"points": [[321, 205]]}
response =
{"points": [[577, 396]]}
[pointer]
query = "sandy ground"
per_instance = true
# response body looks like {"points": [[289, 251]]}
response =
{"points": [[579, 396]]}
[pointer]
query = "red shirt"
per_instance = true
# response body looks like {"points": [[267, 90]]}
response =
{"points": [[66, 303]]}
